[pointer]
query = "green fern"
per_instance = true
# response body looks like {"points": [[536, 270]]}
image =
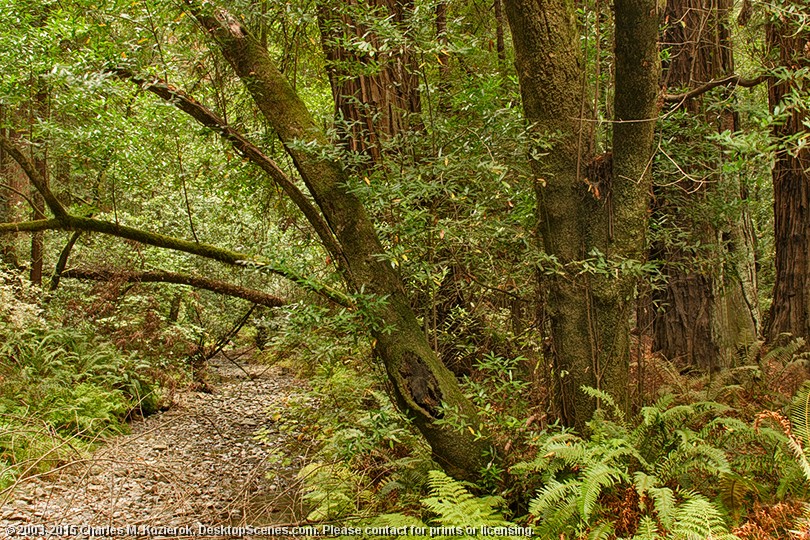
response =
{"points": [[698, 519], [455, 509], [647, 529], [800, 414], [594, 481]]}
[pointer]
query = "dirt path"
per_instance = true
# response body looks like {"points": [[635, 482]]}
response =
{"points": [[198, 463]]}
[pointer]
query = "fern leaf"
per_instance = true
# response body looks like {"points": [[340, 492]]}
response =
{"points": [[647, 529], [603, 531], [698, 519], [456, 507], [664, 505], [607, 399], [595, 479], [800, 413], [552, 494], [733, 490]]}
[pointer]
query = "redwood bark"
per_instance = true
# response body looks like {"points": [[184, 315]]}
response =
{"points": [[709, 303], [789, 42], [375, 90]]}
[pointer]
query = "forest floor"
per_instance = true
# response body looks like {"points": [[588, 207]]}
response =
{"points": [[198, 464]]}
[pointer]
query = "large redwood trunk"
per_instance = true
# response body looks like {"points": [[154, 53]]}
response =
{"points": [[376, 91], [790, 311], [709, 304]]}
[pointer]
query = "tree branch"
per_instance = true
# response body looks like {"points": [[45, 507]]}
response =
{"points": [[36, 178], [211, 120], [160, 276], [731, 80], [31, 226], [20, 193], [63, 259], [75, 223]]}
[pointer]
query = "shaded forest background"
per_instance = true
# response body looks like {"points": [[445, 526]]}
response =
{"points": [[562, 247]]}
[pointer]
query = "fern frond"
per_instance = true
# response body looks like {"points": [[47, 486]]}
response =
{"points": [[607, 399], [698, 519], [800, 413], [594, 480], [603, 531], [784, 353], [552, 495], [664, 505], [457, 507], [647, 529], [733, 490]]}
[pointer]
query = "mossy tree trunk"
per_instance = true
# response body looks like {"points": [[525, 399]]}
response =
{"points": [[578, 216], [421, 383]]}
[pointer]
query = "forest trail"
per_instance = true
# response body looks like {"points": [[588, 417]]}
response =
{"points": [[198, 463]]}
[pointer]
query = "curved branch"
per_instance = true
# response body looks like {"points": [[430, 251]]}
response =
{"points": [[160, 276], [211, 120], [235, 258], [731, 80], [20, 193], [36, 178], [69, 222]]}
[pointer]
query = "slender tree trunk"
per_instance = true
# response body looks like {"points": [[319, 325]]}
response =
{"points": [[40, 110], [790, 311], [419, 381], [589, 314], [8, 251], [500, 42], [710, 309]]}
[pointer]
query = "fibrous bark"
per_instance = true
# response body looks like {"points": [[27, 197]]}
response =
{"points": [[375, 89], [789, 41], [709, 305]]}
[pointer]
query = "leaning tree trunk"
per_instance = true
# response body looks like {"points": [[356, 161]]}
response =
{"points": [[790, 311], [589, 312], [422, 385], [709, 309]]}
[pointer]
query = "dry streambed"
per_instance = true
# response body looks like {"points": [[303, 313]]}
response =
{"points": [[197, 464]]}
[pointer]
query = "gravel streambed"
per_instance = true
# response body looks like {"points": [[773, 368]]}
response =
{"points": [[198, 465]]}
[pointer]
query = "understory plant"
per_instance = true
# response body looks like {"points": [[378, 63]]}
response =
{"points": [[61, 389]]}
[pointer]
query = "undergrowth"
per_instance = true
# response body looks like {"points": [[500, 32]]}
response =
{"points": [[61, 389]]}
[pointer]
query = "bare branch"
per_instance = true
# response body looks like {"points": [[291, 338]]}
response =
{"points": [[20, 193], [36, 178], [731, 80], [160, 276]]}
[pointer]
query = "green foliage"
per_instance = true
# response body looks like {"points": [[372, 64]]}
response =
{"points": [[456, 513], [664, 471], [61, 391]]}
